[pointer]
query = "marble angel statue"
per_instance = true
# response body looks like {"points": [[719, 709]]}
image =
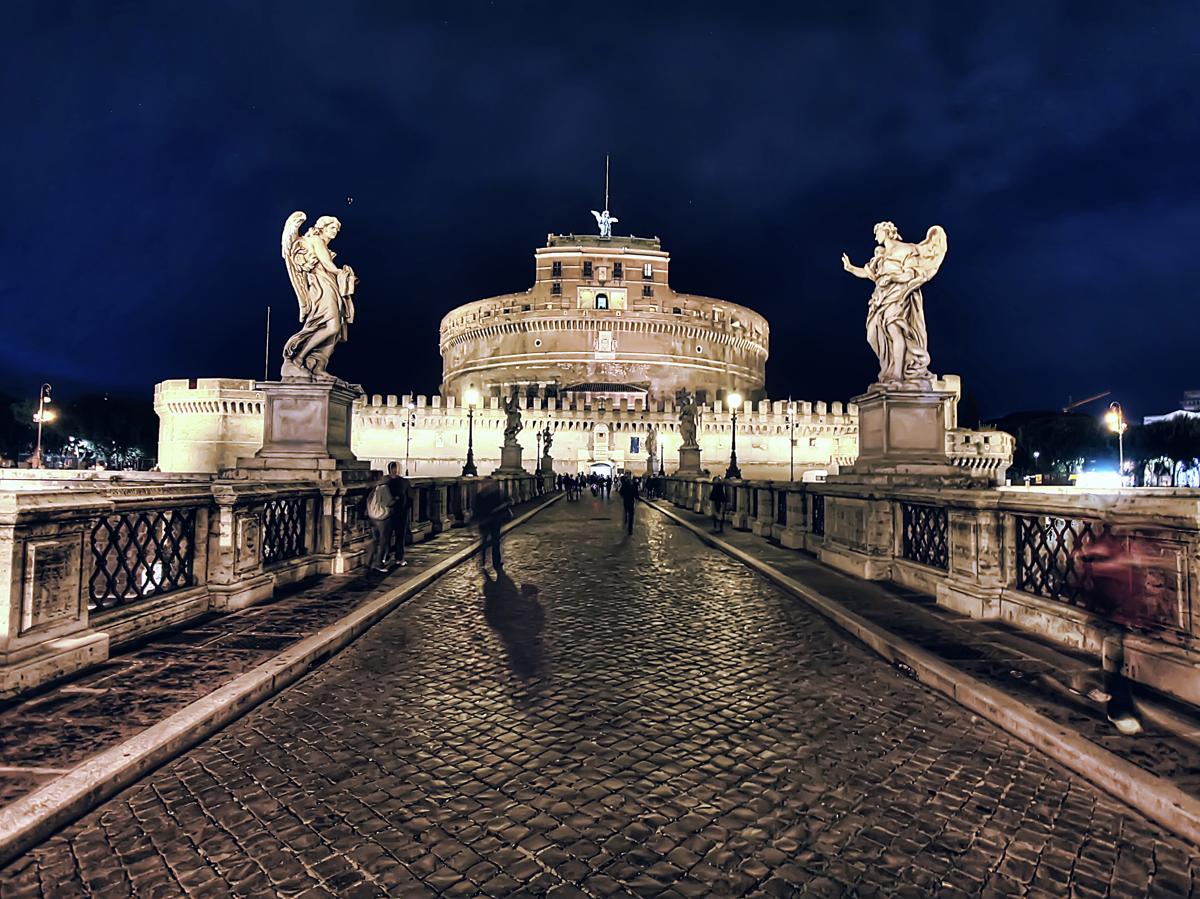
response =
{"points": [[326, 295], [605, 221], [896, 313], [689, 418], [512, 419], [652, 443]]}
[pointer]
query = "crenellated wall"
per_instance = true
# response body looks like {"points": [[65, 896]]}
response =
{"points": [[197, 424]]}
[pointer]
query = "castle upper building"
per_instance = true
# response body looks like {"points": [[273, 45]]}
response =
{"points": [[601, 320]]}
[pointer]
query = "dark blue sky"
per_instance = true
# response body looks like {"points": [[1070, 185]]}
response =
{"points": [[153, 150]]}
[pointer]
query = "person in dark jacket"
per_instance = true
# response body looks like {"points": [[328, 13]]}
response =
{"points": [[402, 498], [629, 497], [492, 511], [717, 498]]}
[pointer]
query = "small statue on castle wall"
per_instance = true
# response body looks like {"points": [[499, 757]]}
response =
{"points": [[896, 313], [326, 295], [512, 417], [689, 418]]}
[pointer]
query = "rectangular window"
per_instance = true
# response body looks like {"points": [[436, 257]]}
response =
{"points": [[675, 310], [556, 288], [555, 269], [587, 269], [648, 271], [647, 290], [635, 445], [618, 270]]}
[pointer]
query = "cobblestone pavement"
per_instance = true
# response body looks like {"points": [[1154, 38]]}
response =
{"points": [[626, 716], [44, 735]]}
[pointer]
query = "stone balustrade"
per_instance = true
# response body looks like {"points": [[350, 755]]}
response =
{"points": [[92, 561], [1048, 560]]}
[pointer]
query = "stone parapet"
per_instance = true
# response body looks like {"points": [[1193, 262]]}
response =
{"points": [[1066, 564], [88, 563]]}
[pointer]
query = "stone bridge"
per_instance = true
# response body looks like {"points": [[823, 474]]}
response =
{"points": [[669, 713]]}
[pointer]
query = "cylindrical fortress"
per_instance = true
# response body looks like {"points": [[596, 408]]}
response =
{"points": [[601, 319]]}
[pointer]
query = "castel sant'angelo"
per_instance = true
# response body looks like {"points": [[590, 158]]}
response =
{"points": [[599, 350]]}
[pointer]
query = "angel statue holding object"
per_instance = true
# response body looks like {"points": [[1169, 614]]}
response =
{"points": [[896, 313], [605, 221], [512, 418], [689, 418], [652, 443], [326, 295]]}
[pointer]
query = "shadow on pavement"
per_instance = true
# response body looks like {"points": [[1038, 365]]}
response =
{"points": [[517, 618]]}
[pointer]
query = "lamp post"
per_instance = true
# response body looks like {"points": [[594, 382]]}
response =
{"points": [[41, 416], [790, 418], [735, 400], [472, 399], [1115, 419], [412, 420], [538, 469]]}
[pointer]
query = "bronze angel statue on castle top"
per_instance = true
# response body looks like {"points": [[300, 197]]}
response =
{"points": [[326, 295]]}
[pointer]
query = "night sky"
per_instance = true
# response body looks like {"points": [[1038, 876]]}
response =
{"points": [[152, 151]]}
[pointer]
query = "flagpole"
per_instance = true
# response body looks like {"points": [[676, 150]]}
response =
{"points": [[267, 348]]}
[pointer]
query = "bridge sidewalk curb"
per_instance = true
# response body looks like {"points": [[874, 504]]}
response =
{"points": [[33, 818], [1155, 797]]}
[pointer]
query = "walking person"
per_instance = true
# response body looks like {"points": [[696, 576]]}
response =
{"points": [[401, 503], [379, 513], [629, 497], [492, 512], [717, 499]]}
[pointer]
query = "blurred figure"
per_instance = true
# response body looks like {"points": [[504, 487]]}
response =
{"points": [[1116, 592], [492, 512], [717, 499], [379, 513], [629, 497], [401, 502]]}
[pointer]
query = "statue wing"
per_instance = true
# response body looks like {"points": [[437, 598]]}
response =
{"points": [[933, 251], [291, 233], [613, 219]]}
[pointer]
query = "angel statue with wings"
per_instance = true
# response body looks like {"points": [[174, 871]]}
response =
{"points": [[689, 418], [605, 221], [512, 420], [896, 313], [326, 295]]}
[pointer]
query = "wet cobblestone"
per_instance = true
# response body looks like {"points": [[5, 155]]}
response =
{"points": [[625, 717]]}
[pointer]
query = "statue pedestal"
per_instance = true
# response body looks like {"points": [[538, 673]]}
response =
{"points": [[651, 466], [902, 430], [510, 459], [689, 460], [547, 464], [306, 429]]}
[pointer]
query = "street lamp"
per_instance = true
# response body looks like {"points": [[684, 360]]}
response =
{"points": [[471, 397], [41, 416], [1115, 419], [412, 420], [790, 418], [735, 400]]}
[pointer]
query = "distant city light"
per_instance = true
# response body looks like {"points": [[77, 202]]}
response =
{"points": [[1098, 480]]}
